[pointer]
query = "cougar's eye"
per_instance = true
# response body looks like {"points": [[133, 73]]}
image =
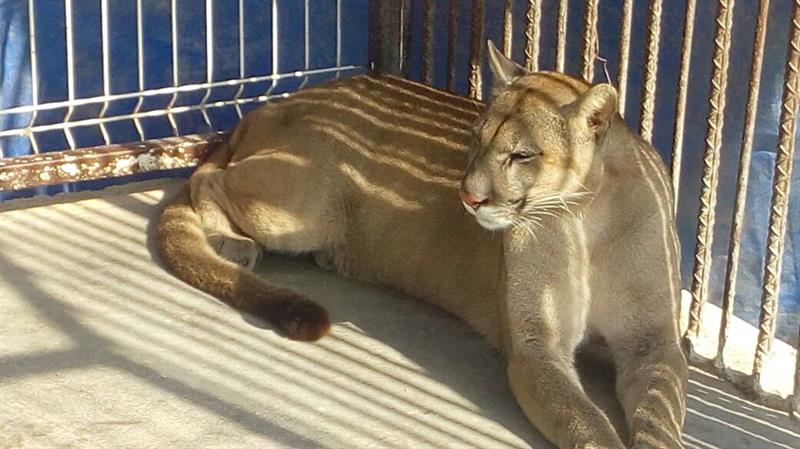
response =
{"points": [[522, 156]]}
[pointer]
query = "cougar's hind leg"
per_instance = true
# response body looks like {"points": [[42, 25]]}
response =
{"points": [[208, 198]]}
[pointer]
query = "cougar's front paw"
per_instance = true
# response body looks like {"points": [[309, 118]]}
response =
{"points": [[237, 249]]}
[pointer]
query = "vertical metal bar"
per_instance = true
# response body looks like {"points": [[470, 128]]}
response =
{"points": [[561, 45], [508, 27], [307, 41], [405, 42], [680, 103], [650, 71], [175, 66], [70, 71], [106, 67], [625, 53], [708, 189], [729, 293], [242, 72], [386, 40], [532, 32], [452, 43], [140, 69], [34, 74], [780, 201], [338, 36], [590, 40], [275, 48], [476, 50], [209, 59], [428, 21]]}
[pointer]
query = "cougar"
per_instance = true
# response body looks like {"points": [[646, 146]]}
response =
{"points": [[542, 221]]}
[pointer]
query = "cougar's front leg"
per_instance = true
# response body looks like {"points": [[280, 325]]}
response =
{"points": [[542, 332], [547, 390], [651, 386]]}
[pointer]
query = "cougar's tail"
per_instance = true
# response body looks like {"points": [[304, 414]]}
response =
{"points": [[186, 252]]}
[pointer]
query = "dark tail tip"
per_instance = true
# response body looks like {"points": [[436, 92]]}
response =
{"points": [[301, 319]]}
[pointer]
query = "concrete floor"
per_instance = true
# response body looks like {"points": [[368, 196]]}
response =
{"points": [[101, 348]]}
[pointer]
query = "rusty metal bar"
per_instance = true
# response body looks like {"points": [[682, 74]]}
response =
{"points": [[680, 103], [561, 35], [780, 202], [476, 50], [708, 189], [650, 71], [428, 18], [452, 42], [625, 53], [729, 293], [508, 27], [106, 161], [590, 40], [405, 43], [532, 33]]}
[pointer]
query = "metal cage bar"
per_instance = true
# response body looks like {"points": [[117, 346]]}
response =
{"points": [[508, 27], [590, 42], [650, 71], [731, 270], [680, 102], [476, 50], [779, 205], [428, 17], [532, 35], [624, 53], [34, 77], [708, 190], [561, 35], [69, 27], [452, 43]]}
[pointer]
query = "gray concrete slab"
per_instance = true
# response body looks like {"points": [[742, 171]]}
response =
{"points": [[101, 348]]}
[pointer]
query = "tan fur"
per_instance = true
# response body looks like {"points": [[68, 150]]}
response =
{"points": [[364, 173]]}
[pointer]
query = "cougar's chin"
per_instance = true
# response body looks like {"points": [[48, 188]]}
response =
{"points": [[489, 217]]}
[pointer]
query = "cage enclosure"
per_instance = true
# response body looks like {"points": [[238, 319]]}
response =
{"points": [[105, 92]]}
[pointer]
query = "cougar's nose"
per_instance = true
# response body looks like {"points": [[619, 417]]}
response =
{"points": [[471, 200]]}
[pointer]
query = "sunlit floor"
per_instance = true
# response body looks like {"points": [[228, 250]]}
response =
{"points": [[101, 348]]}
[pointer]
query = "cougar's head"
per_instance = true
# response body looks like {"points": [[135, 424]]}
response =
{"points": [[534, 146]]}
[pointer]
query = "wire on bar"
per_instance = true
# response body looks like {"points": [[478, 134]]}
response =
{"points": [[731, 270], [680, 103], [162, 91], [708, 190]]}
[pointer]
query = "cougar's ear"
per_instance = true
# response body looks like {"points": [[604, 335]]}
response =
{"points": [[595, 109], [504, 70]]}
